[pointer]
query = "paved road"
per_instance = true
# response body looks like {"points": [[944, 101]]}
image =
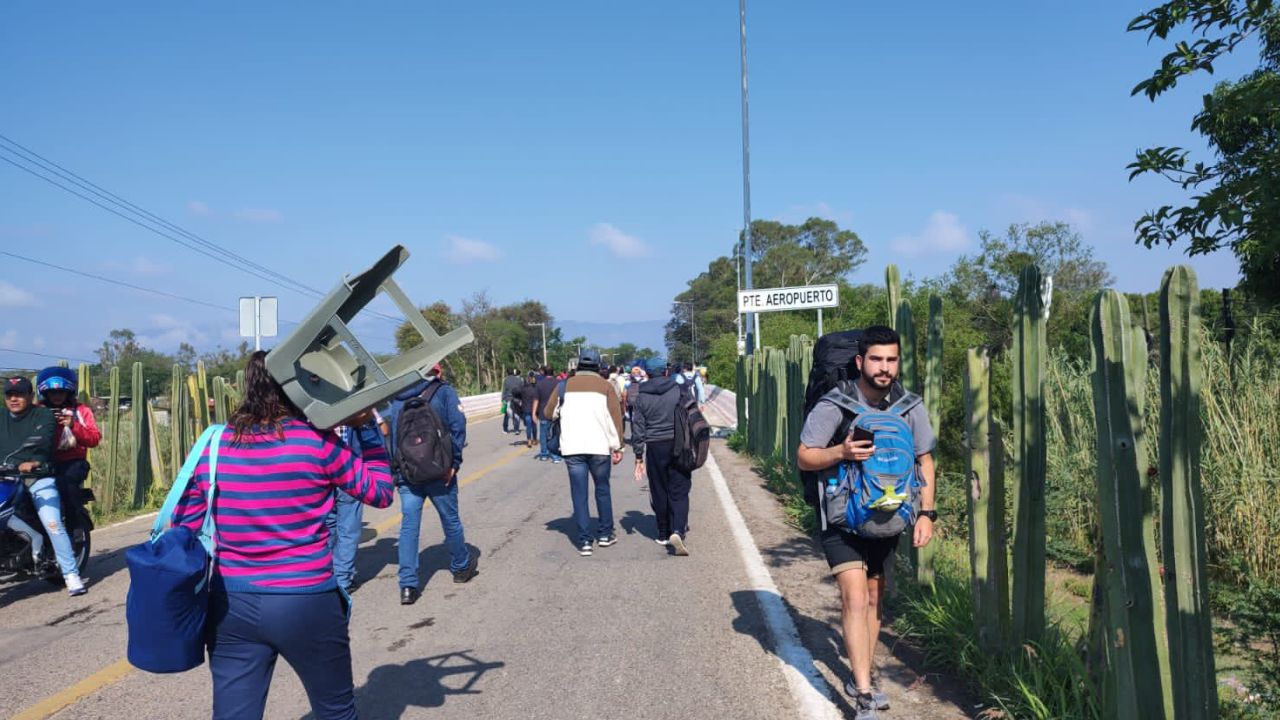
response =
{"points": [[540, 633]]}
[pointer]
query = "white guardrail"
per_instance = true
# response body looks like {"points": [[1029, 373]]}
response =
{"points": [[478, 407]]}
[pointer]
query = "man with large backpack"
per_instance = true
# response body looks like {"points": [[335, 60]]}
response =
{"points": [[428, 432], [870, 446], [670, 437]]}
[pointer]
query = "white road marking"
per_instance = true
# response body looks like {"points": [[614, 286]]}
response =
{"points": [[808, 688]]}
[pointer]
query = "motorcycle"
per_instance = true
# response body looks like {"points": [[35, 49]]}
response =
{"points": [[16, 560]]}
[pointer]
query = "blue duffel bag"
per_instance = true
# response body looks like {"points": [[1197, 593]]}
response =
{"points": [[168, 603]]}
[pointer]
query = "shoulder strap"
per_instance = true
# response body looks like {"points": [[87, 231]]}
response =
{"points": [[845, 402], [430, 393], [165, 517], [209, 531], [904, 404]]}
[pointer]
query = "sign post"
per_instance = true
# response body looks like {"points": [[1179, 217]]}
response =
{"points": [[810, 297], [258, 318]]}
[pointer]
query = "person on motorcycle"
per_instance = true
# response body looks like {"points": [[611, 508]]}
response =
{"points": [[21, 422], [78, 430]]}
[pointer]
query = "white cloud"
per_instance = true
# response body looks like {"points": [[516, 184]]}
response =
{"points": [[167, 332], [619, 243], [465, 251], [9, 339], [12, 296], [199, 207], [259, 215], [1024, 209], [39, 343], [942, 234], [147, 266], [797, 214]]}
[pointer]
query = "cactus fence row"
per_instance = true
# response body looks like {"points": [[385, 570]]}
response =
{"points": [[143, 446], [1150, 642]]}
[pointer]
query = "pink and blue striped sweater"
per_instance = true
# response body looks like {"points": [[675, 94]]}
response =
{"points": [[272, 499]]}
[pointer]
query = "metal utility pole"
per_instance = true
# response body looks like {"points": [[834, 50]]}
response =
{"points": [[544, 340], [746, 175]]}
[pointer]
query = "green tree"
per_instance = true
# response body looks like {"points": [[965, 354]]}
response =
{"points": [[1236, 200], [984, 283]]}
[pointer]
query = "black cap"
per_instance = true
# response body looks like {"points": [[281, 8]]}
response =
{"points": [[17, 385]]}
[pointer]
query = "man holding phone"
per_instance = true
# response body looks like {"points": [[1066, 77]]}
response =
{"points": [[858, 563]]}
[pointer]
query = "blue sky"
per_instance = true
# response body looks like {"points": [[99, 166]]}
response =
{"points": [[586, 154]]}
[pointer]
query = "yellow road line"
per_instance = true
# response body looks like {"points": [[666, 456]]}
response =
{"points": [[108, 675], [121, 669]]}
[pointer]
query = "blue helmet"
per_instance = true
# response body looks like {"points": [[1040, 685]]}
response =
{"points": [[56, 378]]}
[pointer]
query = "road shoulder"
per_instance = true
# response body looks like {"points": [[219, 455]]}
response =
{"points": [[800, 572]]}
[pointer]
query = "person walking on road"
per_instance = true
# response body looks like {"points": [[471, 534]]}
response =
{"points": [[546, 387], [511, 412], [653, 432], [528, 401], [345, 519], [443, 401], [859, 564], [591, 441], [273, 590]]}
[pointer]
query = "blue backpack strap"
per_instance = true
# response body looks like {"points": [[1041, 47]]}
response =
{"points": [[165, 517], [845, 402], [904, 404], [209, 531]]}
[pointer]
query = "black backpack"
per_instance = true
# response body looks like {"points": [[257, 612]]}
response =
{"points": [[424, 446], [832, 365], [516, 403], [693, 432]]}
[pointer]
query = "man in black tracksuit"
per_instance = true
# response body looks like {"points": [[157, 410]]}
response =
{"points": [[511, 402], [653, 431]]}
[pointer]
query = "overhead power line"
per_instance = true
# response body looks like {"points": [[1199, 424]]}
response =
{"points": [[45, 355], [38, 166], [140, 288]]}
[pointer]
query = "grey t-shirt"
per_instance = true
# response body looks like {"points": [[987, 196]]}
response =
{"points": [[826, 417]]}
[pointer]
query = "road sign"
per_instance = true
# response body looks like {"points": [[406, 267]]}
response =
{"points": [[258, 317], [788, 298]]}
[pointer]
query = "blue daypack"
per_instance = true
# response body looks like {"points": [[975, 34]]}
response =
{"points": [[167, 607], [880, 496]]}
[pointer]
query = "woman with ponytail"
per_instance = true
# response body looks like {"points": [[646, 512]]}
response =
{"points": [[274, 592]]}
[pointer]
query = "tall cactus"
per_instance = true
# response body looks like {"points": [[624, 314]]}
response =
{"points": [[933, 403], [177, 421], [893, 285], [1029, 354], [220, 400], [906, 326], [1133, 652], [1186, 589], [107, 496], [84, 387], [202, 395], [141, 436], [989, 579]]}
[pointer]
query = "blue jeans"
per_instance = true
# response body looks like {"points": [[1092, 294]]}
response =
{"points": [[251, 630], [530, 429], [599, 467], [544, 429], [344, 523], [44, 495], [445, 501]]}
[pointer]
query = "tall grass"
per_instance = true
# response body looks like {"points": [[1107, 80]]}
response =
{"points": [[1045, 681], [1239, 461]]}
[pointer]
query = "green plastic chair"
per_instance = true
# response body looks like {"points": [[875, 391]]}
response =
{"points": [[327, 372]]}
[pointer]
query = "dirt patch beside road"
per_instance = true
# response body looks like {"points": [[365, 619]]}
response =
{"points": [[800, 571]]}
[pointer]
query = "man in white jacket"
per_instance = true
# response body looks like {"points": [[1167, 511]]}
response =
{"points": [[590, 442]]}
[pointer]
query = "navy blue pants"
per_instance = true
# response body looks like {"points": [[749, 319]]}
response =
{"points": [[251, 630]]}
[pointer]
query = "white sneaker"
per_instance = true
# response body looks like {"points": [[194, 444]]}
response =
{"points": [[677, 542], [585, 550], [661, 541], [74, 585]]}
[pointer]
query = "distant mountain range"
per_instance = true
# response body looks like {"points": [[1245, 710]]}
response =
{"points": [[644, 333]]}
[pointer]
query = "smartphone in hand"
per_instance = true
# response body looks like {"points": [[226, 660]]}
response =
{"points": [[858, 434]]}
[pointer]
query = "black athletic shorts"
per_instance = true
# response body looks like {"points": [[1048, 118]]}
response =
{"points": [[846, 551]]}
